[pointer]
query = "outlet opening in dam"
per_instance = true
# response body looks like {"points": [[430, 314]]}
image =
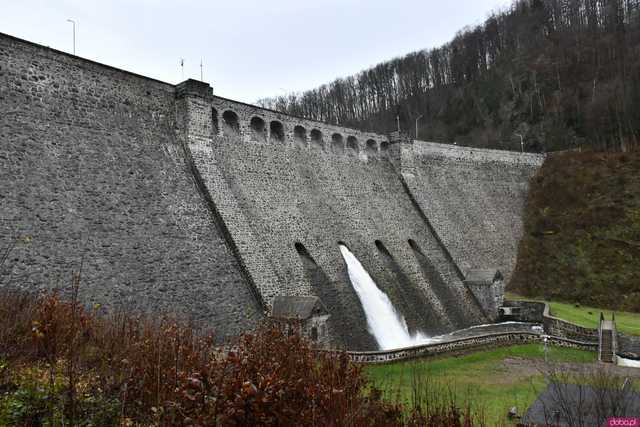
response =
{"points": [[304, 253], [414, 246], [385, 323]]}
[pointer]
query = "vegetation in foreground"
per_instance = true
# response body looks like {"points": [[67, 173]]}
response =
{"points": [[63, 365], [589, 317], [491, 381], [581, 240]]}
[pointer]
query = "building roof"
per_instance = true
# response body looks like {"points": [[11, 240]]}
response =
{"points": [[580, 402], [296, 307], [482, 276]]}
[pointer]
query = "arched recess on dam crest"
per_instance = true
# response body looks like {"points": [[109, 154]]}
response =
{"points": [[300, 136], [352, 146], [337, 143], [384, 149], [316, 139], [371, 148], [276, 131], [231, 123], [258, 129]]}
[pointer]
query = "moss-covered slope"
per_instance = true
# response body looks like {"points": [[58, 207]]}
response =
{"points": [[582, 231]]}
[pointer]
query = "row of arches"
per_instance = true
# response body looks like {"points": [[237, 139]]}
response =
{"points": [[259, 129], [274, 131]]}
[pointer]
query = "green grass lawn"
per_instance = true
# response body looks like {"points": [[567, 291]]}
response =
{"points": [[626, 322], [481, 378]]}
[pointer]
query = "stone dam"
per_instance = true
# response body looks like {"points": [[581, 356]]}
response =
{"points": [[177, 200]]}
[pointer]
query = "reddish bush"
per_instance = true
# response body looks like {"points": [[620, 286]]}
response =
{"points": [[163, 372]]}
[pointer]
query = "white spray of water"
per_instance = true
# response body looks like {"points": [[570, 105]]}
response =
{"points": [[387, 326], [628, 362]]}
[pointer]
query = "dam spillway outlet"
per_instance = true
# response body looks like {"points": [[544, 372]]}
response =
{"points": [[388, 327]]}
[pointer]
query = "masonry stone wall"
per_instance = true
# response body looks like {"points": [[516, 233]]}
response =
{"points": [[466, 345], [562, 328], [296, 131], [182, 201], [539, 312], [474, 199], [92, 166], [489, 296], [274, 193]]}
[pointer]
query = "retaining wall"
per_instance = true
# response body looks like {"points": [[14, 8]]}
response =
{"points": [[466, 345], [559, 327], [539, 312]]}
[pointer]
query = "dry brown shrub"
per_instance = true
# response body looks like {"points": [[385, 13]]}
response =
{"points": [[164, 372]]}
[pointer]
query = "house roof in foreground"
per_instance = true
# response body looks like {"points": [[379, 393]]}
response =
{"points": [[584, 406]]}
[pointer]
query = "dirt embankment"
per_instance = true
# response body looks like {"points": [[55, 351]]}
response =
{"points": [[582, 231]]}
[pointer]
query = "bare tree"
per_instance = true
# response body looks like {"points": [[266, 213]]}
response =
{"points": [[547, 61]]}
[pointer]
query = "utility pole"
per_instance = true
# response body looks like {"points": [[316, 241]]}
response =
{"points": [[521, 142], [201, 69], [182, 67], [74, 34], [419, 117]]}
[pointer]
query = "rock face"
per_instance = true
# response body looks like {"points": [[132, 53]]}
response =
{"points": [[182, 201]]}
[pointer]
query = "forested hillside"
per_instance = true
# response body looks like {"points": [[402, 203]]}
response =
{"points": [[561, 73], [581, 238]]}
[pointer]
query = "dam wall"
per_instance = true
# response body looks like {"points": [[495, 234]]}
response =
{"points": [[289, 200], [173, 199], [92, 169], [474, 198]]}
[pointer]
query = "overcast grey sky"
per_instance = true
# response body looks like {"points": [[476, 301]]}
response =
{"points": [[250, 48]]}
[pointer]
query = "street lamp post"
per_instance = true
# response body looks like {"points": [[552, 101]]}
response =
{"points": [[74, 34], [419, 117], [521, 142], [546, 347]]}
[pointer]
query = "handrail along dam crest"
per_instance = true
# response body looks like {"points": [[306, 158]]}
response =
{"points": [[225, 212]]}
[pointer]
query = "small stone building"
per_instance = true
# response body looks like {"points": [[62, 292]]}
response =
{"points": [[488, 288], [306, 314]]}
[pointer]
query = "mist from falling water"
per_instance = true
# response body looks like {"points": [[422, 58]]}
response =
{"points": [[387, 325]]}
